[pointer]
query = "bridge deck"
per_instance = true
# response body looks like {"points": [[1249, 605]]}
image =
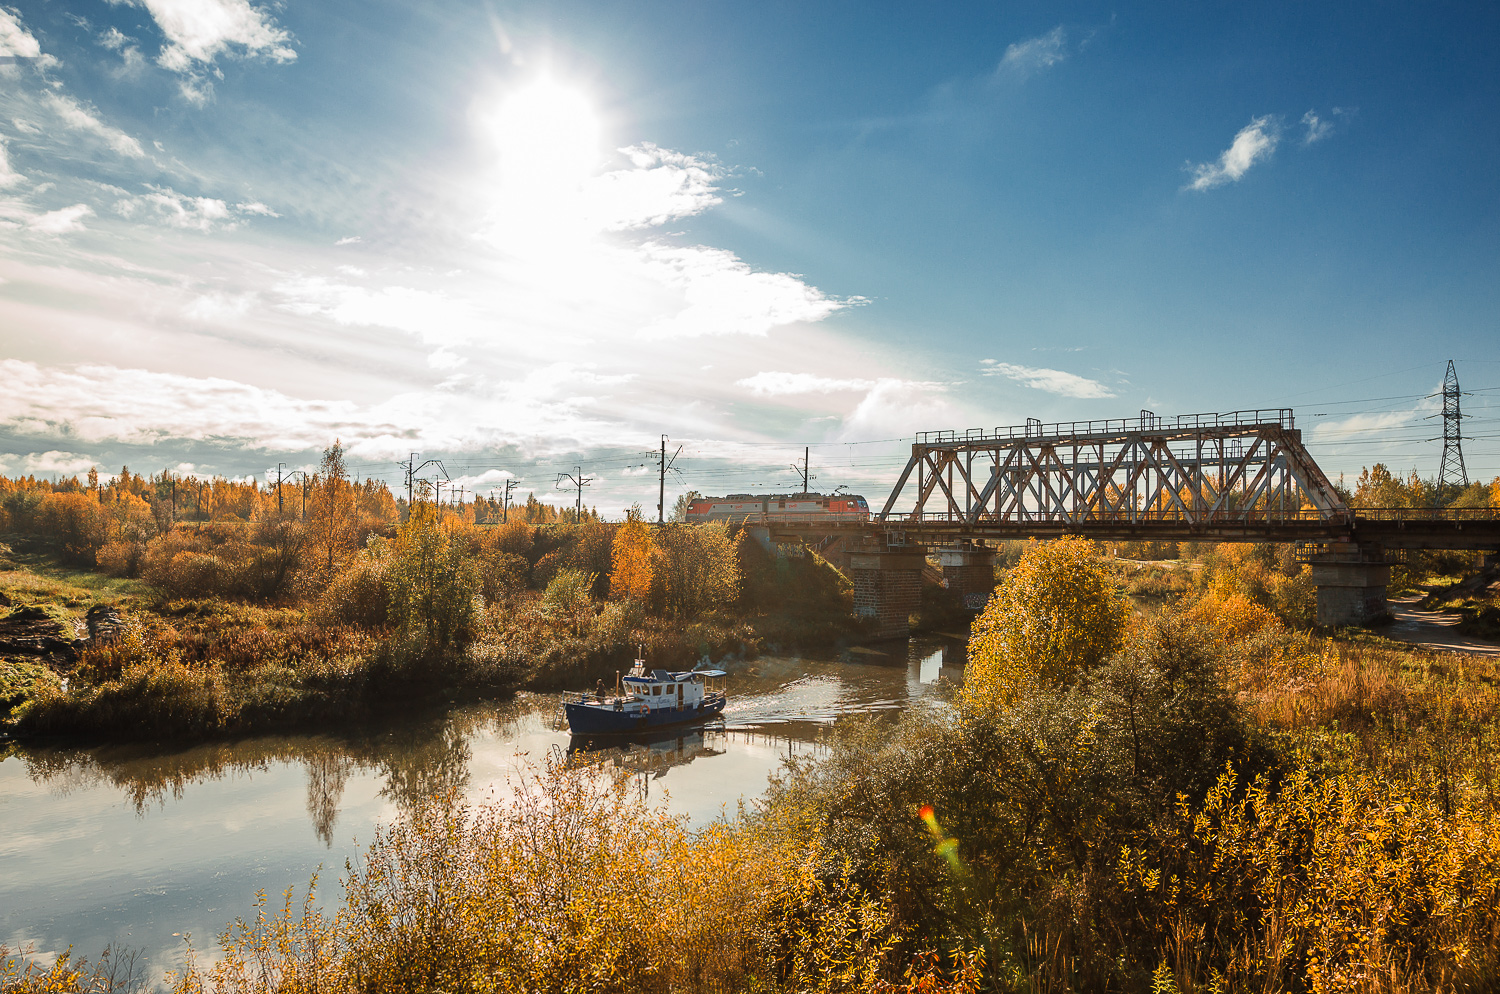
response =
{"points": [[1393, 528]]}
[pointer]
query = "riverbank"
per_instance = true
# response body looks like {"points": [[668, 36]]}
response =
{"points": [[192, 668]]}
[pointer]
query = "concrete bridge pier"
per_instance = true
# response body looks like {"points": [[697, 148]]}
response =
{"points": [[888, 586], [969, 572], [1351, 579]]}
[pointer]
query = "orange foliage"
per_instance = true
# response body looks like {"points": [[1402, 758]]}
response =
{"points": [[1234, 616]]}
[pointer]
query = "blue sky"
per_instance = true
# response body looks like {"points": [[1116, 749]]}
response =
{"points": [[524, 237]]}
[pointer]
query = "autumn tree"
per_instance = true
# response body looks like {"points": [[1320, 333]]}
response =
{"points": [[695, 568], [632, 568], [1055, 615], [591, 551], [78, 522], [680, 509], [432, 585], [332, 516]]}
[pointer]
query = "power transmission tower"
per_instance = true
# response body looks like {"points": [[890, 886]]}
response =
{"points": [[803, 472], [1452, 473], [661, 481], [279, 478], [410, 466], [505, 503], [578, 480], [411, 470]]}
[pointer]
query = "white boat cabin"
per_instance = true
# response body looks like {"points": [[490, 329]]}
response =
{"points": [[664, 689]]}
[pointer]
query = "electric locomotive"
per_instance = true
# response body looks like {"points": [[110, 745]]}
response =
{"points": [[780, 507]]}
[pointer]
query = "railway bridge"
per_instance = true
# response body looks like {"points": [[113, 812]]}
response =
{"points": [[1244, 476]]}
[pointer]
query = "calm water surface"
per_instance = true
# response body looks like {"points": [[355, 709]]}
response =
{"points": [[140, 848]]}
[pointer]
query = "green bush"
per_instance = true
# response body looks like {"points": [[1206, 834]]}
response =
{"points": [[433, 586]]}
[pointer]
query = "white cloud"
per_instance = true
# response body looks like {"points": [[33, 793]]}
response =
{"points": [[890, 405], [1049, 380], [114, 39], [50, 463], [445, 360], [97, 404], [775, 384], [432, 317], [1255, 141], [490, 477], [80, 118], [61, 221], [15, 41], [196, 89], [896, 408], [1035, 54], [198, 31], [349, 240], [1317, 128], [661, 186], [219, 308], [8, 176], [721, 295], [177, 210]]}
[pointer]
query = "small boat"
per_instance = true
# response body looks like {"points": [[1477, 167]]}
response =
{"points": [[647, 700]]}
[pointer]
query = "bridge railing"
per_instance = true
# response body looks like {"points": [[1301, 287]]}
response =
{"points": [[1428, 513], [1281, 417], [1223, 516], [1205, 517]]}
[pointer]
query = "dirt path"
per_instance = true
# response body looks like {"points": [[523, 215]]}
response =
{"points": [[1432, 629]]}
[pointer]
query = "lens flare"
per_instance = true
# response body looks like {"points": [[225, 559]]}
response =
{"points": [[943, 844]]}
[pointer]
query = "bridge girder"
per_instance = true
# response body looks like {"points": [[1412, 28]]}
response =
{"points": [[1244, 476], [1193, 472]]}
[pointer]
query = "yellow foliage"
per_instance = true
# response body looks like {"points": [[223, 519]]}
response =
{"points": [[572, 884], [111, 971], [1347, 879], [1233, 615], [1055, 615], [632, 570]]}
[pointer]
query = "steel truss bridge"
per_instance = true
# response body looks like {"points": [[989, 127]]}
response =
{"points": [[1240, 476], [1244, 476]]}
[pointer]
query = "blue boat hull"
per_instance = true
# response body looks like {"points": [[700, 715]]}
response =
{"points": [[594, 719]]}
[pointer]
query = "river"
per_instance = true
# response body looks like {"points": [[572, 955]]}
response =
{"points": [[144, 848]]}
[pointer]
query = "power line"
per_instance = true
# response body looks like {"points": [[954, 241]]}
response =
{"points": [[578, 480]]}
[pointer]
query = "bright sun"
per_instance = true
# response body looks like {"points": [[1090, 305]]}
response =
{"points": [[548, 136]]}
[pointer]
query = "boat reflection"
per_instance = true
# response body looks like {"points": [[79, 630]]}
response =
{"points": [[652, 754]]}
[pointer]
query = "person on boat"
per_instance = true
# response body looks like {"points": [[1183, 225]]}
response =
{"points": [[599, 690]]}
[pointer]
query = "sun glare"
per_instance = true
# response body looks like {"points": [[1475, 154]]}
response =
{"points": [[547, 134], [548, 137]]}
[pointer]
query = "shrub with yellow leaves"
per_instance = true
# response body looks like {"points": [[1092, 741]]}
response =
{"points": [[1054, 616]]}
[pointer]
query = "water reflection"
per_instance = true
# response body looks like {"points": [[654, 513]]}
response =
{"points": [[131, 845], [421, 756], [415, 758]]}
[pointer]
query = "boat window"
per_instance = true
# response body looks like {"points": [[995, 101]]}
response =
{"points": [[656, 690]]}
